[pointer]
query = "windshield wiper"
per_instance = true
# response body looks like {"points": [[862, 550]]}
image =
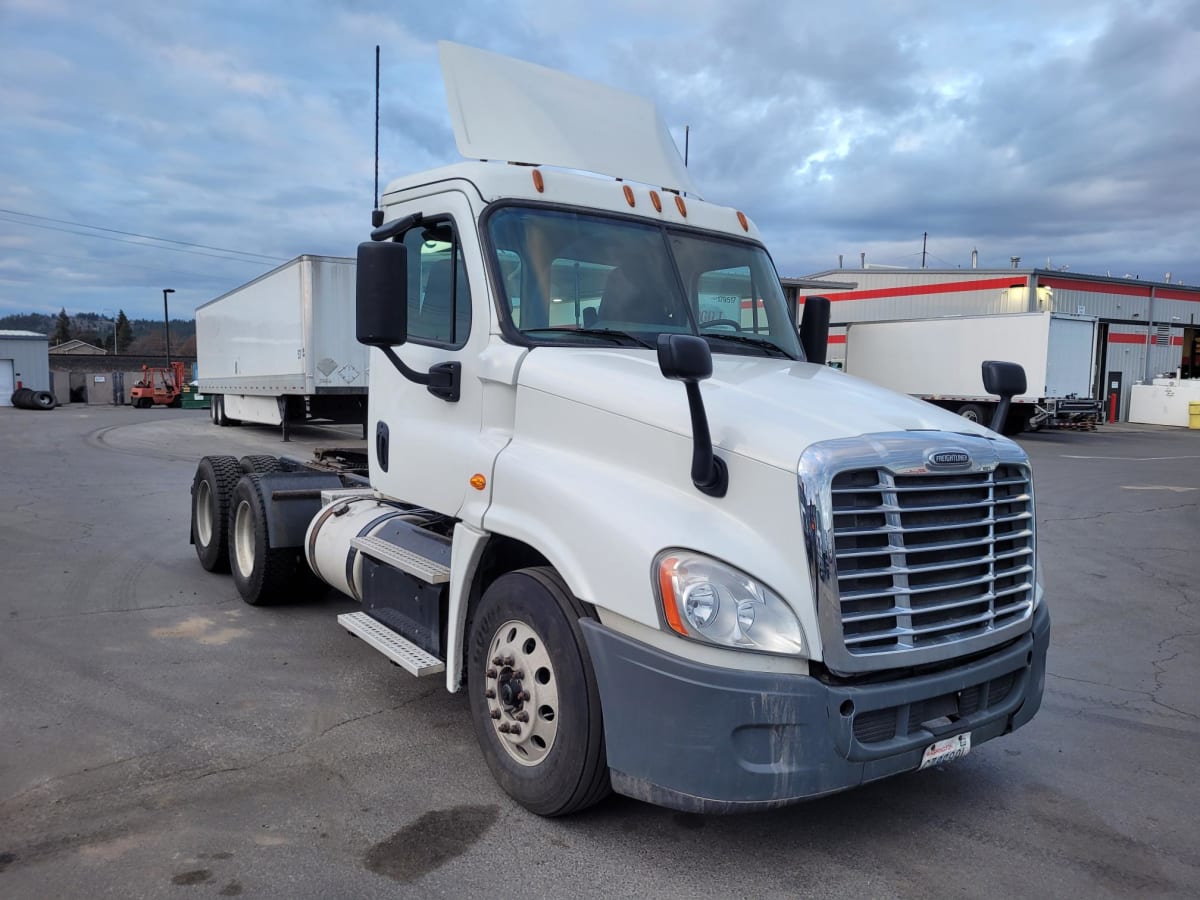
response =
{"points": [[612, 334], [766, 346]]}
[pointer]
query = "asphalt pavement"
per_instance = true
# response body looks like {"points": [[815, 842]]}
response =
{"points": [[159, 738]]}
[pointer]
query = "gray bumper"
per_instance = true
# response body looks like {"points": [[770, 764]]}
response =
{"points": [[706, 739]]}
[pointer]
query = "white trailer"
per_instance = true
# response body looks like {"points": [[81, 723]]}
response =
{"points": [[281, 349], [663, 551], [939, 361]]}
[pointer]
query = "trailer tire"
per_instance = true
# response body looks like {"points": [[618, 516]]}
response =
{"points": [[263, 574], [973, 412], [259, 464], [218, 412], [554, 764], [212, 486]]}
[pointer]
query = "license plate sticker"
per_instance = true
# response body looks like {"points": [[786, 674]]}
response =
{"points": [[947, 751]]}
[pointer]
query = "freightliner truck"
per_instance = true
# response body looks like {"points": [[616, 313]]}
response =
{"points": [[664, 551]]}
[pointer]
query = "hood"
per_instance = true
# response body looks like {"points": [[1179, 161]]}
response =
{"points": [[767, 409]]}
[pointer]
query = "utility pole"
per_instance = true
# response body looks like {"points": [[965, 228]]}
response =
{"points": [[167, 324], [924, 241]]}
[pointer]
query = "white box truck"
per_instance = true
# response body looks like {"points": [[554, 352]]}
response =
{"points": [[664, 553], [938, 360], [281, 349]]}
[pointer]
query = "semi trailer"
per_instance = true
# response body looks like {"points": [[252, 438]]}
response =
{"points": [[939, 361], [280, 350], [665, 553]]}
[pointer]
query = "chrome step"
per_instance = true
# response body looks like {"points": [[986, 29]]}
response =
{"points": [[414, 564], [398, 649]]}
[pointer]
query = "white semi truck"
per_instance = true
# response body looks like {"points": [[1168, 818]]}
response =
{"points": [[281, 349], [939, 361], [665, 552]]}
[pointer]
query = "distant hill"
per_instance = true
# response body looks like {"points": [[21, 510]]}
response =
{"points": [[146, 334]]}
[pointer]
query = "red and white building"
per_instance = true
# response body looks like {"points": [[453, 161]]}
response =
{"points": [[1146, 328]]}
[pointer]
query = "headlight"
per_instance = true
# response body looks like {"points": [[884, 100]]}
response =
{"points": [[709, 601]]}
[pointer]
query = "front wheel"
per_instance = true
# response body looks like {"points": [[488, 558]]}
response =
{"points": [[534, 701]]}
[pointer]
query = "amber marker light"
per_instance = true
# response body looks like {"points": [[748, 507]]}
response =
{"points": [[742, 221], [538, 182], [629, 196], [681, 206], [656, 200], [666, 588], [478, 482]]}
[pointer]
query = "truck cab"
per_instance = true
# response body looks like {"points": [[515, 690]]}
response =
{"points": [[611, 497]]}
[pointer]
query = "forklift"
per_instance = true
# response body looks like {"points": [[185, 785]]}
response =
{"points": [[158, 386]]}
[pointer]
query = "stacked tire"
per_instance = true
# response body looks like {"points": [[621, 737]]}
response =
{"points": [[26, 398]]}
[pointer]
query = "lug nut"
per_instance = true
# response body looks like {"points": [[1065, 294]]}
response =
{"points": [[518, 674], [515, 729], [522, 716], [495, 714], [504, 728], [522, 696], [490, 694], [491, 673], [497, 661], [508, 661]]}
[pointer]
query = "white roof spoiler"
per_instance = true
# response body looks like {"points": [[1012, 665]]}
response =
{"points": [[508, 110]]}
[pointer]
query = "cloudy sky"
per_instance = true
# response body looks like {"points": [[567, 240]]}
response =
{"points": [[195, 144]]}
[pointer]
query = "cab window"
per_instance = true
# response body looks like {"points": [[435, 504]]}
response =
{"points": [[439, 297]]}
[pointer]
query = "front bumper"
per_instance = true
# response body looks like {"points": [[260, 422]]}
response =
{"points": [[706, 739]]}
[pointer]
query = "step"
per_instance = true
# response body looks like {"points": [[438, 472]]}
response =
{"points": [[398, 649], [428, 570]]}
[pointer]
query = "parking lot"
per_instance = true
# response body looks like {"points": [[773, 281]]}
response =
{"points": [[160, 738]]}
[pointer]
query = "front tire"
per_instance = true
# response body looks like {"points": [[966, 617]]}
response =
{"points": [[212, 486], [263, 574], [534, 701]]}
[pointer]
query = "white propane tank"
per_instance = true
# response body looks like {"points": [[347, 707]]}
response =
{"points": [[327, 543]]}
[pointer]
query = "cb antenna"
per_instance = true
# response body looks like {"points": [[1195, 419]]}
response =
{"points": [[376, 212]]}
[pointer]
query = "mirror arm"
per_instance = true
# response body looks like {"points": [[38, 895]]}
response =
{"points": [[710, 475], [1001, 412], [391, 229], [443, 380]]}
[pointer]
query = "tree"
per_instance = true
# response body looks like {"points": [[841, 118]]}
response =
{"points": [[124, 332], [62, 327]]}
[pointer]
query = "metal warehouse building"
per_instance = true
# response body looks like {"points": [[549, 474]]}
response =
{"points": [[1145, 328], [24, 361]]}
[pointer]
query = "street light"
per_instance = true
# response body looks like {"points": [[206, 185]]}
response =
{"points": [[167, 324]]}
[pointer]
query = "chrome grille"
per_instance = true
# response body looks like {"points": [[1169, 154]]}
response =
{"points": [[913, 563]]}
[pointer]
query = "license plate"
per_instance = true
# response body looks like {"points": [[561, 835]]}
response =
{"points": [[946, 751]]}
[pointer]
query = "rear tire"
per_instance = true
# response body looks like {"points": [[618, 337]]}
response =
{"points": [[212, 486], [263, 574], [541, 730], [258, 464]]}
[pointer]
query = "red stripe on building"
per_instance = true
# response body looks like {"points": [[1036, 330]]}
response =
{"points": [[1096, 287], [1141, 339], [1171, 294], [945, 287]]}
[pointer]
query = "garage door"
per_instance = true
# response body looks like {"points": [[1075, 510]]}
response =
{"points": [[7, 385]]}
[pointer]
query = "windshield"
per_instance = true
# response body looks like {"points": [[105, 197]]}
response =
{"points": [[579, 278]]}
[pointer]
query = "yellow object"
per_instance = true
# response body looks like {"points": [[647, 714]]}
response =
{"points": [[1194, 414]]}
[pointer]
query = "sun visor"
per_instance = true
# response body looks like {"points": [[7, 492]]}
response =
{"points": [[513, 111]]}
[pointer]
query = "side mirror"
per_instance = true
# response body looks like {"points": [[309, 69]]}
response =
{"points": [[687, 358], [1005, 380], [814, 330], [684, 357], [381, 294]]}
